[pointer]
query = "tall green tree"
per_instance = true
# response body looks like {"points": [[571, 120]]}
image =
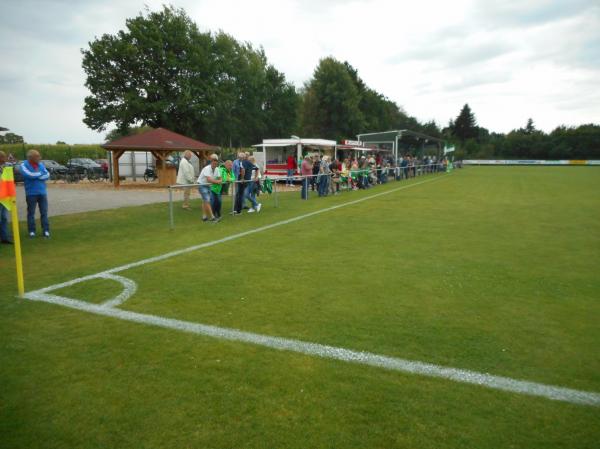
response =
{"points": [[331, 108], [465, 125], [530, 127], [157, 73], [379, 112], [162, 71], [431, 129], [280, 106]]}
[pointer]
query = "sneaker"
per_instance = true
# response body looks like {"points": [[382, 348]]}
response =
{"points": [[204, 218], [215, 219], [7, 242], [46, 235], [251, 210], [258, 207], [32, 234]]}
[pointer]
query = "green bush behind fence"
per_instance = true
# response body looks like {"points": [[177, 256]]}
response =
{"points": [[62, 153], [58, 153]]}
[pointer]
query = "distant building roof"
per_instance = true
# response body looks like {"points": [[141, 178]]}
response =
{"points": [[295, 141], [366, 137], [157, 139]]}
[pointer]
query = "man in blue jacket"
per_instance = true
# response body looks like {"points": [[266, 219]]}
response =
{"points": [[35, 176]]}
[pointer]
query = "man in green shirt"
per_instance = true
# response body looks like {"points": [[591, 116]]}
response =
{"points": [[216, 190]]}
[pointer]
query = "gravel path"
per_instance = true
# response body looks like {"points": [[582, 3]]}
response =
{"points": [[72, 199]]}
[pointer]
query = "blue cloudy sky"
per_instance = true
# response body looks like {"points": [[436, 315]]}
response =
{"points": [[509, 60]]}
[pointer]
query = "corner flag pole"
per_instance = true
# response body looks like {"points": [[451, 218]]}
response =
{"points": [[17, 243], [8, 198]]}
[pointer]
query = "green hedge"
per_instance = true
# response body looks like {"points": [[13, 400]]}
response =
{"points": [[62, 153], [58, 153]]}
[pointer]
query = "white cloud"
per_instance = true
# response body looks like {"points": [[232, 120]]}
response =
{"points": [[509, 60]]}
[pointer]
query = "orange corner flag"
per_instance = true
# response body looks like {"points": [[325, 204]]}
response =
{"points": [[8, 193], [8, 198]]}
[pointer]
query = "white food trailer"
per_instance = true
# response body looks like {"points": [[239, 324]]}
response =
{"points": [[272, 154], [351, 148]]}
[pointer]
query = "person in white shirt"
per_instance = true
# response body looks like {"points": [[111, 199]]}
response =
{"points": [[211, 174], [186, 175]]}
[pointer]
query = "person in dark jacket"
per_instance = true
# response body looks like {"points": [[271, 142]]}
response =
{"points": [[404, 166], [35, 176], [315, 171], [238, 172]]}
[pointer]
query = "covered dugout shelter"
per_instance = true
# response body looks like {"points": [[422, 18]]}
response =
{"points": [[404, 141], [161, 143]]}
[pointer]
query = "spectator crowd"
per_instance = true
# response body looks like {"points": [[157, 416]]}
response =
{"points": [[320, 173], [242, 178]]}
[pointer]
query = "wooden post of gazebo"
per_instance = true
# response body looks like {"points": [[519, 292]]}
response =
{"points": [[115, 160], [161, 143]]}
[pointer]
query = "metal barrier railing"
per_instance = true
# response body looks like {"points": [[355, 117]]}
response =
{"points": [[353, 179]]}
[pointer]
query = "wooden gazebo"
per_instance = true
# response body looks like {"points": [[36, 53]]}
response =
{"points": [[161, 143]]}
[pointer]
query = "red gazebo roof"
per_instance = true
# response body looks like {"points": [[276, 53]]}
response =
{"points": [[157, 139]]}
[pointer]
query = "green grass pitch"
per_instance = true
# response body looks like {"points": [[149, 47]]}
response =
{"points": [[491, 269]]}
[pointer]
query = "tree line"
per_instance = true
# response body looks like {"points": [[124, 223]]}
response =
{"points": [[476, 142], [161, 70], [10, 138]]}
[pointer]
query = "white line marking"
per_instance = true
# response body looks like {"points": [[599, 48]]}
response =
{"points": [[331, 352], [129, 288], [366, 358]]}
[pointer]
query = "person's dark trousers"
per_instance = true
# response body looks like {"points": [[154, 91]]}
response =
{"points": [[364, 181], [304, 189], [215, 203], [42, 202], [323, 186], [313, 182], [239, 197], [4, 224]]}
